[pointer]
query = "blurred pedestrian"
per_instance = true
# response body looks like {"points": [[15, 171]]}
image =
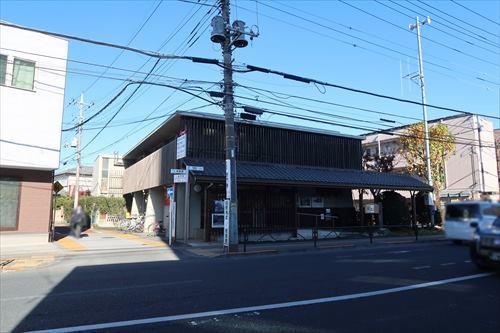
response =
{"points": [[77, 220]]}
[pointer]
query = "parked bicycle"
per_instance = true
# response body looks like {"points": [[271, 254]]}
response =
{"points": [[155, 229]]}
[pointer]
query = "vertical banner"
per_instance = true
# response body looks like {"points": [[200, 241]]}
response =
{"points": [[171, 222], [228, 179], [227, 214]]}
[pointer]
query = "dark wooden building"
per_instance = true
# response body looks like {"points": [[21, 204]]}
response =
{"points": [[286, 175]]}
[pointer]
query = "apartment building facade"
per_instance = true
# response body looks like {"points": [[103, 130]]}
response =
{"points": [[472, 168], [32, 85], [107, 176]]}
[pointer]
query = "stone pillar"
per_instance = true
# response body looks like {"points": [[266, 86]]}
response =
{"points": [[137, 204], [154, 207]]}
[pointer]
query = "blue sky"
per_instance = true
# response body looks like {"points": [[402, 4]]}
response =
{"points": [[368, 47]]}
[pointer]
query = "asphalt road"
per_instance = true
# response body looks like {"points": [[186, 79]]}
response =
{"points": [[412, 288]]}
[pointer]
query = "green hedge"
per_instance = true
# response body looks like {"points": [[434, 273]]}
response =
{"points": [[92, 205]]}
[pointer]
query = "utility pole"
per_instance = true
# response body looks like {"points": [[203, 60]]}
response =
{"points": [[417, 25], [231, 188], [81, 105], [229, 36]]}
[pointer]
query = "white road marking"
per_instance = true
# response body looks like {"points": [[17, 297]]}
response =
{"points": [[222, 312], [398, 252], [467, 261], [447, 264], [100, 290], [421, 267]]}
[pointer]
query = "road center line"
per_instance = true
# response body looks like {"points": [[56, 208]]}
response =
{"points": [[100, 290], [190, 316], [421, 267]]}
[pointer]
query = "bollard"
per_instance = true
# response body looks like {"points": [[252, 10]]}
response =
{"points": [[416, 232]]}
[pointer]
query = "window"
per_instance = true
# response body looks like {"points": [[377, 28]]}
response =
{"points": [[462, 211], [9, 203], [23, 75], [3, 68]]}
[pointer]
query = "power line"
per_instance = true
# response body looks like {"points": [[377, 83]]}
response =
{"points": [[382, 131], [462, 21], [426, 38], [470, 10], [295, 107], [128, 44], [127, 48], [361, 47], [480, 38], [360, 91]]}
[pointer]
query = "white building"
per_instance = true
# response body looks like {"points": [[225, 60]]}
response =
{"points": [[67, 178], [108, 176], [470, 171], [32, 83]]}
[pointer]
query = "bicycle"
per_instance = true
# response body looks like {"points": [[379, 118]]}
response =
{"points": [[155, 229]]}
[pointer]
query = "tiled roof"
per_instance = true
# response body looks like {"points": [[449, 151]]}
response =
{"points": [[275, 173]]}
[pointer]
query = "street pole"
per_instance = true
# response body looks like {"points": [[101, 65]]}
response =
{"points": [[78, 153], [231, 189], [424, 107], [481, 165], [81, 105]]}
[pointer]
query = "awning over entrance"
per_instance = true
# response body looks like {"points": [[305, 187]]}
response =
{"points": [[291, 174]]}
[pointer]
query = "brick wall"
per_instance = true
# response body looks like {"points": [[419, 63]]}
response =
{"points": [[35, 199]]}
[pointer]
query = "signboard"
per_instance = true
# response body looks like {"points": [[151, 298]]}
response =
{"points": [[195, 168], [228, 179], [181, 146], [371, 209], [178, 171], [170, 192], [227, 213], [181, 178]]}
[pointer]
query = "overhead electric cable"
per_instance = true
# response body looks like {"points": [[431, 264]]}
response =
{"points": [[128, 44], [474, 12], [360, 91], [408, 31]]}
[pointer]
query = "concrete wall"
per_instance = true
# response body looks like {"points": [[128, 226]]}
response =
{"points": [[195, 210], [30, 120], [35, 200]]}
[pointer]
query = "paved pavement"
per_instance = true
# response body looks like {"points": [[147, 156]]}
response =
{"points": [[391, 288]]}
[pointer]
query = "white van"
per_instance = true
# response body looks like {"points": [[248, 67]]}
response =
{"points": [[459, 215]]}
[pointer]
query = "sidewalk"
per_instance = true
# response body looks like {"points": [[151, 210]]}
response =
{"points": [[212, 250], [22, 251]]}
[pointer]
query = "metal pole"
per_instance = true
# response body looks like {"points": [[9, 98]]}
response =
{"points": [[78, 153], [424, 110], [231, 190], [481, 165]]}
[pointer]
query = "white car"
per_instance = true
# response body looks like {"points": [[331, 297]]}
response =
{"points": [[459, 216]]}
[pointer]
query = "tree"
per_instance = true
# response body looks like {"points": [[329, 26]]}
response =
{"points": [[441, 145]]}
